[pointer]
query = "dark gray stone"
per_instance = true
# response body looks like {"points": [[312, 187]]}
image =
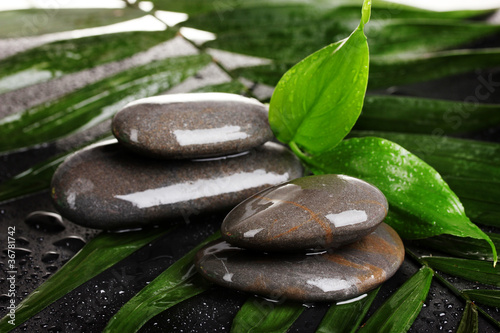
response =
{"points": [[332, 275], [109, 187], [192, 125], [316, 212]]}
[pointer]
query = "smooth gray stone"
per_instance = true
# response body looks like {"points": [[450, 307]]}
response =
{"points": [[316, 212], [192, 125], [109, 187], [332, 275]]}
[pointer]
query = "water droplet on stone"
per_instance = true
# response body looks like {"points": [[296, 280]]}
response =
{"points": [[45, 221], [19, 251], [50, 256], [72, 243]]}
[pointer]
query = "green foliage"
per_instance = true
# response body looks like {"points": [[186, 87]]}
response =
{"points": [[470, 320], [473, 270]]}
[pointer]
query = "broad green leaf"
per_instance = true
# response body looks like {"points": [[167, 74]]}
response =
{"points": [[405, 69], [421, 203], [30, 22], [470, 319], [259, 315], [232, 87], [463, 247], [400, 310], [483, 296], [471, 168], [96, 256], [423, 115], [178, 282], [56, 59], [345, 317], [37, 178], [95, 103], [473, 270], [317, 102]]}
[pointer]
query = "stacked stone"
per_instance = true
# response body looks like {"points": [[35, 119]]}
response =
{"points": [[317, 238], [176, 155]]}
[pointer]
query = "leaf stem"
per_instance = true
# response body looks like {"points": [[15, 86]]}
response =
{"points": [[293, 146], [451, 287]]}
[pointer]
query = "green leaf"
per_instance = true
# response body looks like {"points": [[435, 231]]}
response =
{"points": [[31, 22], [473, 270], [400, 310], [421, 203], [390, 71], [56, 59], [345, 317], [317, 102], [178, 282], [471, 168], [96, 256], [95, 103], [232, 87], [38, 177], [259, 315], [470, 320], [484, 296], [463, 247], [423, 115]]}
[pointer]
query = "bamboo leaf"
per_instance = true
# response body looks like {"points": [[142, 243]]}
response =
{"points": [[484, 296], [259, 315], [472, 270], [96, 256], [392, 113], [405, 69], [471, 168], [470, 320], [317, 102], [400, 310], [178, 282], [345, 317], [95, 103], [31, 22], [56, 59], [422, 204]]}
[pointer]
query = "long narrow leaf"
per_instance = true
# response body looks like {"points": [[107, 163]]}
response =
{"points": [[177, 283], [400, 310], [346, 317], [484, 296], [470, 320], [56, 59], [423, 115], [259, 315], [472, 270], [96, 256], [422, 204], [471, 168], [95, 103]]}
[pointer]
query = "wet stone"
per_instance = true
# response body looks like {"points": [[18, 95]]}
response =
{"points": [[333, 275], [315, 212], [192, 125], [45, 221], [109, 187]]}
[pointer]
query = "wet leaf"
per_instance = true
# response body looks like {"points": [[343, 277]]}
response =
{"points": [[31, 22], [400, 310], [423, 115], [95, 103], [470, 320], [259, 315], [317, 102], [96, 256], [345, 317], [473, 270], [56, 59], [178, 282], [471, 169], [484, 296]]}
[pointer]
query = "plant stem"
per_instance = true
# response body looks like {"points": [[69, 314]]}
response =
{"points": [[293, 146]]}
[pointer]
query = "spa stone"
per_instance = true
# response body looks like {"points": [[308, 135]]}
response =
{"points": [[332, 275], [315, 212], [192, 125], [109, 187]]}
